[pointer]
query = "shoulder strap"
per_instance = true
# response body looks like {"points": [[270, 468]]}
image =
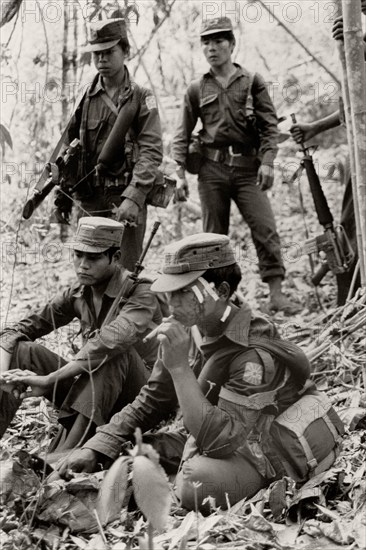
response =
{"points": [[127, 289], [108, 101], [249, 105], [194, 94], [123, 294]]}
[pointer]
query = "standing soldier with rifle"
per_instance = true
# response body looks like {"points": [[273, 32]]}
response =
{"points": [[116, 310], [303, 132], [113, 144]]}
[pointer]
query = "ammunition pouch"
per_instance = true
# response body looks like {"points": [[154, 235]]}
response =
{"points": [[162, 191], [194, 157]]}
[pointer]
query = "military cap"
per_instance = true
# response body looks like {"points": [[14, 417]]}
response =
{"points": [[96, 234], [213, 26], [106, 34], [189, 258]]}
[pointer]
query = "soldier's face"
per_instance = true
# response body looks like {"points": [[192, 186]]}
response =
{"points": [[217, 50], [188, 308], [109, 62], [93, 269]]}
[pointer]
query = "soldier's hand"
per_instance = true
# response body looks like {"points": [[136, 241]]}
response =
{"points": [[265, 177], [181, 190], [16, 381], [10, 383], [337, 29], [174, 342], [303, 131], [80, 460], [128, 211]]}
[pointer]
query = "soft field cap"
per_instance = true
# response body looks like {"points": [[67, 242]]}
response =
{"points": [[96, 234], [106, 34], [189, 258], [213, 26]]}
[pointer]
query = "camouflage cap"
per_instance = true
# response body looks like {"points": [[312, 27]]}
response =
{"points": [[106, 34], [189, 258], [96, 234], [213, 26]]}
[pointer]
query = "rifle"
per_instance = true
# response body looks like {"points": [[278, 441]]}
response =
{"points": [[333, 243], [53, 173], [127, 288], [50, 175], [56, 174]]}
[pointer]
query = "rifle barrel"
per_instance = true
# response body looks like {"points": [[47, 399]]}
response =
{"points": [[138, 266]]}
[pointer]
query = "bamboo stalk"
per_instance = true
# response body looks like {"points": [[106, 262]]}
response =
{"points": [[356, 78]]}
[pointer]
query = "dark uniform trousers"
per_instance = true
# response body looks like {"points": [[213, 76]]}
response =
{"points": [[229, 479], [218, 183], [96, 396]]}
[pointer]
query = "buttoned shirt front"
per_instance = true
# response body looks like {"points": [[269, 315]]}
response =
{"points": [[224, 112], [96, 115]]}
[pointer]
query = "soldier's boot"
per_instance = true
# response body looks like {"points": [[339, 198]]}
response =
{"points": [[278, 301]]}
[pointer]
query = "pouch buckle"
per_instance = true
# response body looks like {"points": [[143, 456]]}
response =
{"points": [[231, 152]]}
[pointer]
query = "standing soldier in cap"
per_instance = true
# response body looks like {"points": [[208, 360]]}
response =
{"points": [[238, 145], [109, 370], [119, 188], [249, 375]]}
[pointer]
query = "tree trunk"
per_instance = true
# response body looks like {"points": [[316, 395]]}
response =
{"points": [[356, 111]]}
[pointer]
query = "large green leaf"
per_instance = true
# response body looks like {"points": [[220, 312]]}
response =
{"points": [[151, 490], [113, 491]]}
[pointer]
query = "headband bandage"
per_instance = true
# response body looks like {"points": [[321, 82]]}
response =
{"points": [[226, 314], [198, 294], [209, 287]]}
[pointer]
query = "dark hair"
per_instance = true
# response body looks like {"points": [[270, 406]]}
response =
{"points": [[226, 35], [125, 45], [230, 274], [111, 252]]}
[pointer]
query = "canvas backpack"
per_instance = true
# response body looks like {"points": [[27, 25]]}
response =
{"points": [[307, 436]]}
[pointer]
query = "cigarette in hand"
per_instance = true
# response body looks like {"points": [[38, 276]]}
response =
{"points": [[154, 332]]}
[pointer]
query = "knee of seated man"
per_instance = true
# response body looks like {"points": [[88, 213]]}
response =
{"points": [[195, 482], [22, 354]]}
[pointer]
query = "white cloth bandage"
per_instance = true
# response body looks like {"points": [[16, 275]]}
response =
{"points": [[198, 294], [226, 314], [209, 287]]}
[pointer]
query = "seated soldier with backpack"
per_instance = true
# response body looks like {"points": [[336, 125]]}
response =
{"points": [[115, 313], [252, 415]]}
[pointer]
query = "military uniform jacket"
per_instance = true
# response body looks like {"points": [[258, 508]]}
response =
{"points": [[138, 316], [93, 121], [227, 117], [249, 374]]}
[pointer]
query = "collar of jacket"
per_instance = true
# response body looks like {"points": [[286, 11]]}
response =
{"points": [[237, 331], [97, 86], [240, 71], [113, 286]]}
